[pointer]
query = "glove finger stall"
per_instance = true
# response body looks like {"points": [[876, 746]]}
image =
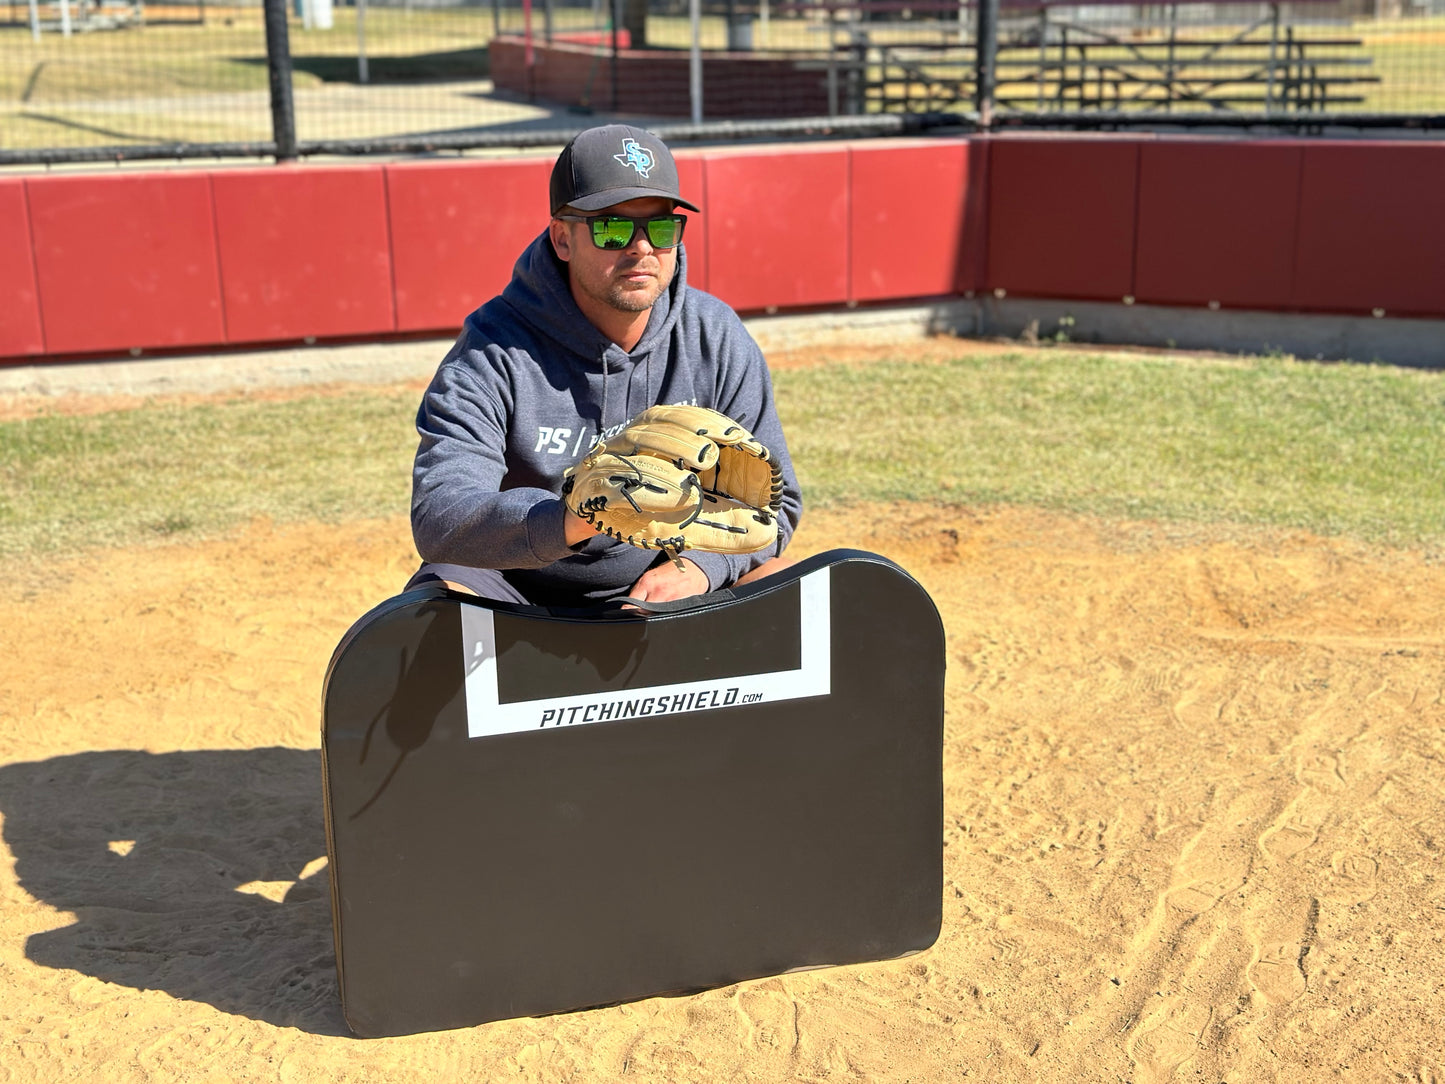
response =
{"points": [[682, 447]]}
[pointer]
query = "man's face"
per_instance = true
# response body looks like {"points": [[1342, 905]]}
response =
{"points": [[628, 279]]}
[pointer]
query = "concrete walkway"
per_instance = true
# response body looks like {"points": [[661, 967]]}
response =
{"points": [[1396, 341], [388, 362]]}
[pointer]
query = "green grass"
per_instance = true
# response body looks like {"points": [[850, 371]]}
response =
{"points": [[1335, 449], [151, 84], [162, 470]]}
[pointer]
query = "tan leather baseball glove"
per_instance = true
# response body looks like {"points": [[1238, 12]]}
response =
{"points": [[680, 478]]}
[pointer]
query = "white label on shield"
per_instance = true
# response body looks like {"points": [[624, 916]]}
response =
{"points": [[487, 715]]}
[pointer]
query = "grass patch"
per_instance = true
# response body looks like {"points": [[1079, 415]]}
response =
{"points": [[179, 82], [1335, 449], [167, 471]]}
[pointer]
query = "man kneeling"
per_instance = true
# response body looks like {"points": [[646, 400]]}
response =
{"points": [[597, 324]]}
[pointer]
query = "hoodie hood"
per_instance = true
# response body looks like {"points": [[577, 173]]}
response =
{"points": [[541, 295]]}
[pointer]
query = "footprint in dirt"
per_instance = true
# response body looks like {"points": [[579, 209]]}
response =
{"points": [[1168, 1039], [1352, 878], [1007, 950], [1321, 770], [1275, 971], [1281, 942], [768, 1015], [1195, 708], [1296, 831], [1196, 897]]}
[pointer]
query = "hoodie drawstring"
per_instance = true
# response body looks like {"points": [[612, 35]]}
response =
{"points": [[602, 421], [627, 404]]}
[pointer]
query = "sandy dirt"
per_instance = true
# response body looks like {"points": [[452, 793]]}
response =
{"points": [[1193, 823]]}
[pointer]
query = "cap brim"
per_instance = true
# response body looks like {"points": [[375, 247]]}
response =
{"points": [[613, 196]]}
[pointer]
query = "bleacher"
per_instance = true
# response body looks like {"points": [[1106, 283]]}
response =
{"points": [[1067, 58]]}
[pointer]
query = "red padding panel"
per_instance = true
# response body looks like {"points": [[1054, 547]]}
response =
{"points": [[973, 250], [1372, 229], [457, 229], [20, 331], [692, 179], [1061, 217], [304, 251], [125, 261], [777, 229], [906, 218], [1217, 223]]}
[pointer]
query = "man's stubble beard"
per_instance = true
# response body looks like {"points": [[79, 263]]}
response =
{"points": [[624, 300]]}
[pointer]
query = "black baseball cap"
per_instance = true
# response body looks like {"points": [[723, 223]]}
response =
{"points": [[613, 164]]}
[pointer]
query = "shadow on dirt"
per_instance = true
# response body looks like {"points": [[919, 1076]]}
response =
{"points": [[185, 874]]}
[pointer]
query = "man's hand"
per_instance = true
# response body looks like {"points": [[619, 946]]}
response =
{"points": [[670, 580]]}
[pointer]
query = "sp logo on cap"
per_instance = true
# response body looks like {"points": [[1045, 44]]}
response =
{"points": [[637, 156]]}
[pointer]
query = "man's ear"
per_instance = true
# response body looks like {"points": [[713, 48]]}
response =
{"points": [[561, 239]]}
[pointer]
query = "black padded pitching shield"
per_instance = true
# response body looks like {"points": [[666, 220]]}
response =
{"points": [[532, 811]]}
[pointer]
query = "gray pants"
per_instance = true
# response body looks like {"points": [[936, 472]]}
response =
{"points": [[486, 582]]}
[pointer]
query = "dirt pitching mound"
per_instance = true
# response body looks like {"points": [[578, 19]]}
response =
{"points": [[1192, 828]]}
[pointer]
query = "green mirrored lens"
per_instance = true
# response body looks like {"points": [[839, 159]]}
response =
{"points": [[616, 232], [664, 232], [612, 232]]}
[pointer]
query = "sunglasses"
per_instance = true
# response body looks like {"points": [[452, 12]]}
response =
{"points": [[617, 231]]}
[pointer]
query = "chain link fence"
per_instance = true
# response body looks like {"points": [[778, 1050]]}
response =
{"points": [[116, 79], [1303, 63], [93, 74]]}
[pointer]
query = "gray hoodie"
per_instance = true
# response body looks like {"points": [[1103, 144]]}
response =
{"points": [[526, 391]]}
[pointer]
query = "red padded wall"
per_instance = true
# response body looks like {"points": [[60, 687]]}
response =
{"points": [[1372, 229], [456, 231], [777, 231], [906, 218], [692, 180], [1217, 222], [304, 251], [98, 263], [125, 261], [973, 245], [1061, 217], [20, 330]]}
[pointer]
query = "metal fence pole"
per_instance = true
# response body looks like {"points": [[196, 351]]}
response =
{"points": [[1273, 57], [986, 60], [694, 60], [1169, 71], [832, 62], [363, 72], [278, 67], [616, 18]]}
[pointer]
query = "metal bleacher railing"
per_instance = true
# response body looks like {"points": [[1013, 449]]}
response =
{"points": [[1054, 59], [1303, 63], [88, 80]]}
